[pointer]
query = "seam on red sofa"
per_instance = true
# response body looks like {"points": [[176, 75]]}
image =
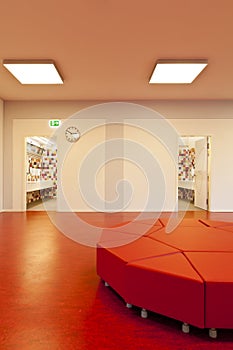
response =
{"points": [[119, 224], [161, 223], [158, 229], [204, 284], [190, 262], [169, 245], [203, 223], [151, 256], [206, 251]]}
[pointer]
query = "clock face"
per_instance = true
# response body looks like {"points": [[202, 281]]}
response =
{"points": [[72, 134]]}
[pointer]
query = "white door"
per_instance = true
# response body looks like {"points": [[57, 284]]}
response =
{"points": [[201, 174]]}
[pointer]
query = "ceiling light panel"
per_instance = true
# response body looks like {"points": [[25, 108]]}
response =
{"points": [[176, 72], [34, 72]]}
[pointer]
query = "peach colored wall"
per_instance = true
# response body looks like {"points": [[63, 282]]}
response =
{"points": [[221, 165], [114, 170], [212, 118], [69, 160], [152, 170], [15, 110]]}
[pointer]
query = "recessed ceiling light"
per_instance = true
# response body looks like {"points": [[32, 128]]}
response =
{"points": [[34, 71], [177, 72]]}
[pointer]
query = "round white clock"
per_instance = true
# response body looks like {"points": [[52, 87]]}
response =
{"points": [[72, 134]]}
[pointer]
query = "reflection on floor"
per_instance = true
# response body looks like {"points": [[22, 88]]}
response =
{"points": [[48, 205], [51, 205], [51, 297]]}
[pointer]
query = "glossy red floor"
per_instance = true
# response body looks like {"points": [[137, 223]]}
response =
{"points": [[52, 298]]}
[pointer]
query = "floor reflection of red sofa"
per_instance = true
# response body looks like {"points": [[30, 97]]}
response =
{"points": [[186, 274]]}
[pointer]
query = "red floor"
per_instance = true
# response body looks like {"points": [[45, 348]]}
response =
{"points": [[51, 297]]}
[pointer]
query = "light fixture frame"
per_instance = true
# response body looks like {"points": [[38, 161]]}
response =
{"points": [[178, 61], [33, 62]]}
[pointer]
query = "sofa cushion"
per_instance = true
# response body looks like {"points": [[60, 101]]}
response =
{"points": [[167, 285], [215, 223], [216, 270], [184, 222], [196, 239], [111, 262], [139, 228]]}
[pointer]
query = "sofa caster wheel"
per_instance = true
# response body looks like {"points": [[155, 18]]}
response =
{"points": [[185, 328], [129, 306], [144, 313], [213, 333], [106, 284]]}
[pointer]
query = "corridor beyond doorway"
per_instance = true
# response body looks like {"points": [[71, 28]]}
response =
{"points": [[193, 173], [41, 173], [184, 205]]}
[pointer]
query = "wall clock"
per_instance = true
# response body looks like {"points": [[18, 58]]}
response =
{"points": [[72, 134]]}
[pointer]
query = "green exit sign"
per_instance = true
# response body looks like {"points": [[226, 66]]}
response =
{"points": [[54, 123]]}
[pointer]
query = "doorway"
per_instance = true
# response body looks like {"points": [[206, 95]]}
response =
{"points": [[41, 174], [193, 173]]}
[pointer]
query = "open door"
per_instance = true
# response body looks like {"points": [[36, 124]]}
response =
{"points": [[201, 173], [41, 173]]}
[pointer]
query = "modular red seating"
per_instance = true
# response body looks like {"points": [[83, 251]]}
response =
{"points": [[141, 227], [111, 262], [215, 223], [196, 239], [186, 274], [216, 269], [167, 285], [182, 222]]}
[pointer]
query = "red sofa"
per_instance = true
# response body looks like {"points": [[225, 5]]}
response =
{"points": [[186, 274]]}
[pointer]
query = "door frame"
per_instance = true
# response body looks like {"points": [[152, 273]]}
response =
{"points": [[26, 165], [208, 138]]}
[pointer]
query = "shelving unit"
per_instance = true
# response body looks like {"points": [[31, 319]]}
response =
{"points": [[37, 188], [186, 167]]}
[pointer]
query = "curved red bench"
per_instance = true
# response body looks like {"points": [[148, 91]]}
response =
{"points": [[186, 274], [216, 269], [196, 239], [111, 262], [167, 285]]}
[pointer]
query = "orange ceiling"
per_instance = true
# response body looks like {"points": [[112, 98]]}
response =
{"points": [[106, 50]]}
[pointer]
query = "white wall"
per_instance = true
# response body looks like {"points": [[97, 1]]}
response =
{"points": [[81, 183], [1, 154], [186, 117], [114, 167], [152, 165]]}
